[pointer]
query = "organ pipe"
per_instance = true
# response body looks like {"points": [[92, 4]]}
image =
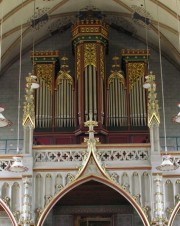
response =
{"points": [[64, 98], [116, 97]]}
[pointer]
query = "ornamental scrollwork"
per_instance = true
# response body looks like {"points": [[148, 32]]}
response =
{"points": [[45, 72], [135, 72], [90, 54]]}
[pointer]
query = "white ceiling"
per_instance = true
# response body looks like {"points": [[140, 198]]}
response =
{"points": [[15, 26]]}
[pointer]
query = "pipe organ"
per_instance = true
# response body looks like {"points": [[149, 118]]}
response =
{"points": [[66, 98]]}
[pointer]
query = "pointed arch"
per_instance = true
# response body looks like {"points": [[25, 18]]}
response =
{"points": [[174, 213], [99, 179], [9, 213]]}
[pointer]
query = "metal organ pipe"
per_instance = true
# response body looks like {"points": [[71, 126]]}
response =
{"points": [[90, 90], [116, 105], [79, 101], [95, 94], [86, 94], [102, 101], [64, 101], [112, 99], [116, 100]]}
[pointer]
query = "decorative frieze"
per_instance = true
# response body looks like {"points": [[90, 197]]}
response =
{"points": [[103, 154]]}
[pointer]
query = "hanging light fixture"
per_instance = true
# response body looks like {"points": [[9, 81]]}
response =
{"points": [[176, 118], [3, 121], [33, 77], [147, 84], [17, 165], [34, 82], [167, 163]]}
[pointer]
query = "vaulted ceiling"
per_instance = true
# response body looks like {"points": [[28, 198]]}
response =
{"points": [[32, 21]]}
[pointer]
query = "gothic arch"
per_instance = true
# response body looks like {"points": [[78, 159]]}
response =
{"points": [[7, 210], [104, 181], [174, 213]]}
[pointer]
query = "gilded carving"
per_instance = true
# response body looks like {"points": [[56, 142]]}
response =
{"points": [[135, 72], [29, 108], [45, 72], [153, 106], [116, 75], [78, 63], [90, 54], [116, 72], [64, 73], [102, 61]]}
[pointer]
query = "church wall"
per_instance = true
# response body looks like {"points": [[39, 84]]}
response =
{"points": [[62, 42]]}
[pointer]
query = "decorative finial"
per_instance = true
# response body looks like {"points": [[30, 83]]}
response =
{"points": [[91, 124]]}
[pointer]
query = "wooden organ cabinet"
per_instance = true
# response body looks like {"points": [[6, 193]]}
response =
{"points": [[66, 98]]}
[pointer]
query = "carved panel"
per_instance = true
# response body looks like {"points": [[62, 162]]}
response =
{"points": [[90, 54]]}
